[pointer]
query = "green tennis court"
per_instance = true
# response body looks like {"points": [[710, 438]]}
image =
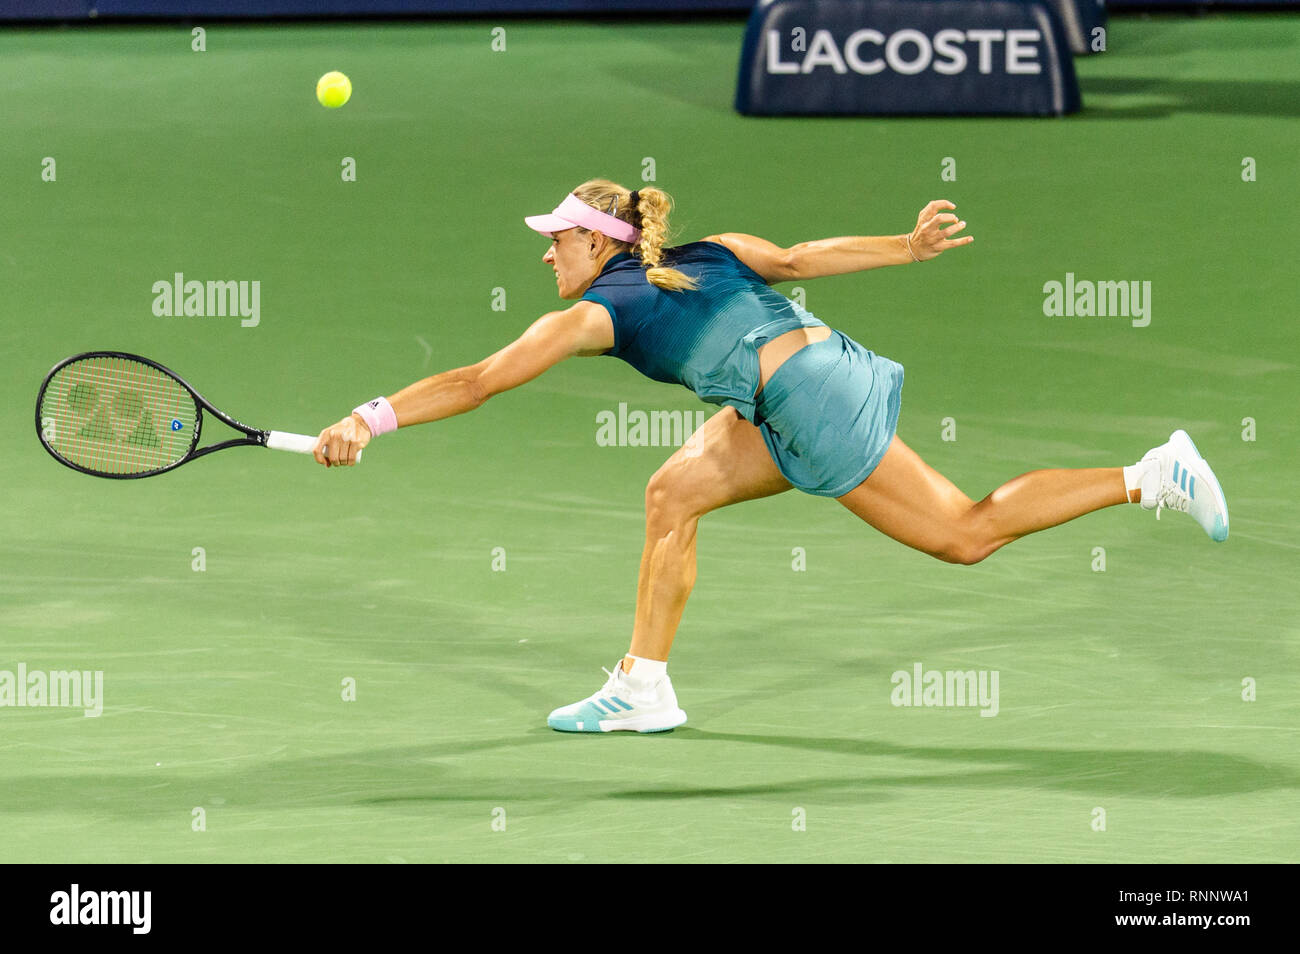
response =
{"points": [[473, 574]]}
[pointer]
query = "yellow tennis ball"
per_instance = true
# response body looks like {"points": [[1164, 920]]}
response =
{"points": [[333, 89]]}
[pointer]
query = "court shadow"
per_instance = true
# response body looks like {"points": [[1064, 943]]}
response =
{"points": [[1162, 772], [525, 769], [1280, 98]]}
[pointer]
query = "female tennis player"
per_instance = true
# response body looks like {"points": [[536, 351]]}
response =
{"points": [[803, 406]]}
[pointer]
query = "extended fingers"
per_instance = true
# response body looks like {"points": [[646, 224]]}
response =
{"points": [[937, 221], [936, 204], [941, 231], [950, 237]]}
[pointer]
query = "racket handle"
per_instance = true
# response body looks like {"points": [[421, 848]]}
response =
{"points": [[297, 443]]}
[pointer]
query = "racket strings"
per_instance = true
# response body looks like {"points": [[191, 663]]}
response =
{"points": [[114, 415]]}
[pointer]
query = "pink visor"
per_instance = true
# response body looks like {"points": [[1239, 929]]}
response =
{"points": [[573, 212]]}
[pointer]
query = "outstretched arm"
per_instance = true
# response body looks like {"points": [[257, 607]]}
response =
{"points": [[935, 229], [584, 329]]}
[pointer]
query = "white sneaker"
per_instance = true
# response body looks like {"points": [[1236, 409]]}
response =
{"points": [[620, 705], [1178, 478]]}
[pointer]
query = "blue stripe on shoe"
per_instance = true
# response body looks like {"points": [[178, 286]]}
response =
{"points": [[1175, 471], [586, 719], [621, 703], [1182, 481], [1191, 487]]}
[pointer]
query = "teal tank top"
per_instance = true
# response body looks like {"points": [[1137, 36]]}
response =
{"points": [[707, 339]]}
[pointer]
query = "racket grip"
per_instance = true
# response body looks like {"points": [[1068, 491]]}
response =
{"points": [[296, 443]]}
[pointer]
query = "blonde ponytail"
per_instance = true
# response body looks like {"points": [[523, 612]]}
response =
{"points": [[650, 216]]}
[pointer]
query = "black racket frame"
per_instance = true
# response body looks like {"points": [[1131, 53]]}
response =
{"points": [[255, 438]]}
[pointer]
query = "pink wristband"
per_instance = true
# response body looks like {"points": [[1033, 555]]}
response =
{"points": [[378, 415]]}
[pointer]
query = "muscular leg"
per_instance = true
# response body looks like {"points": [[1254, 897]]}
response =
{"points": [[913, 503], [724, 462]]}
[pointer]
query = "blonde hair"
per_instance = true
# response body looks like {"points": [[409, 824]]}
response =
{"points": [[650, 216]]}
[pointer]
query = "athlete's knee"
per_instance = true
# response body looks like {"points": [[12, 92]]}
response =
{"points": [[666, 506]]}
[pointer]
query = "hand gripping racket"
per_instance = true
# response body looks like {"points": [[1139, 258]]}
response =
{"points": [[119, 415]]}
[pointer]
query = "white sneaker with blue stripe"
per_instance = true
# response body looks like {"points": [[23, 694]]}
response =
{"points": [[1178, 478], [622, 704]]}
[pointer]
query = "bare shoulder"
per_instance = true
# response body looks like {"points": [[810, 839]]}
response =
{"points": [[738, 243], [769, 260], [583, 312], [588, 325]]}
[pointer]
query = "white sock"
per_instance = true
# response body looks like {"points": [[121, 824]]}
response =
{"points": [[645, 672], [1133, 475]]}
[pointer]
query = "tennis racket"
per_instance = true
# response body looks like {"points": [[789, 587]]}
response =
{"points": [[119, 415]]}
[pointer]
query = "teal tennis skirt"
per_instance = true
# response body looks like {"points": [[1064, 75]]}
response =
{"points": [[829, 413]]}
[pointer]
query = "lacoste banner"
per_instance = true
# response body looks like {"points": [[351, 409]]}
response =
{"points": [[882, 57]]}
